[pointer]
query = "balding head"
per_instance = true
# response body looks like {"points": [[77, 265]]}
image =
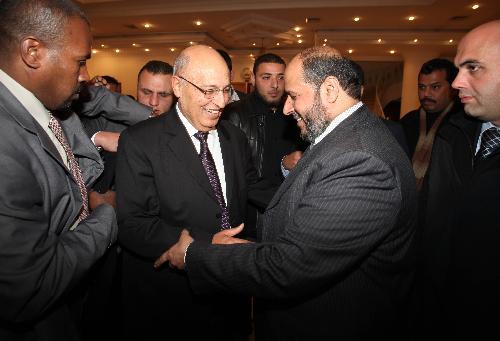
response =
{"points": [[202, 83], [478, 80]]}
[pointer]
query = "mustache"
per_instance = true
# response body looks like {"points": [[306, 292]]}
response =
{"points": [[428, 100]]}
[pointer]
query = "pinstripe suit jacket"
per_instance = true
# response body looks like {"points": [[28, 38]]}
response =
{"points": [[336, 259]]}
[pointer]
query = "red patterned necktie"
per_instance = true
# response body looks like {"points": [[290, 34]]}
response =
{"points": [[72, 164], [209, 166]]}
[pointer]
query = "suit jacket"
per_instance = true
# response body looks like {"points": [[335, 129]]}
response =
{"points": [[162, 188], [336, 259], [41, 259]]}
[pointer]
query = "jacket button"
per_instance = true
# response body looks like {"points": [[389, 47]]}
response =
{"points": [[218, 215]]}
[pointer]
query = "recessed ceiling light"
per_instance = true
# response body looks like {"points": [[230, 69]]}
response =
{"points": [[325, 40], [251, 55], [94, 51], [350, 50], [147, 25], [134, 44], [253, 44], [299, 35], [324, 44], [415, 40], [411, 18], [172, 49], [117, 51], [191, 42], [299, 41], [451, 40], [197, 23], [102, 45], [475, 6], [147, 50], [277, 44], [379, 40], [392, 51], [356, 18], [297, 29]]}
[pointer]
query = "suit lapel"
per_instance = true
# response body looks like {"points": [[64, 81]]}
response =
{"points": [[228, 161], [178, 142]]}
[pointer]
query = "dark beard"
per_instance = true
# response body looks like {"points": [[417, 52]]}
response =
{"points": [[315, 121]]}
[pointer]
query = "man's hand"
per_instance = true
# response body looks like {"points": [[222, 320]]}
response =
{"points": [[290, 160], [107, 140], [98, 81], [96, 199], [175, 255], [226, 236]]}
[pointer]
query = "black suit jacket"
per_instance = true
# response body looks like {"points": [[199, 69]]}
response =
{"points": [[162, 188], [336, 261]]}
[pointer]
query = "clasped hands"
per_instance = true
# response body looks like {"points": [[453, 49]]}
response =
{"points": [[175, 255]]}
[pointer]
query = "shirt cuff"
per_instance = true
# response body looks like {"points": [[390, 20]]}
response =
{"points": [[283, 170]]}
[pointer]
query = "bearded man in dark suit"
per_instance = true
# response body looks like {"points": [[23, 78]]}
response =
{"points": [[336, 258]]}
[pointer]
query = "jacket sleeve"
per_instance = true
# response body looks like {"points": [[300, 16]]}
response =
{"points": [[331, 225], [38, 263], [113, 106]]}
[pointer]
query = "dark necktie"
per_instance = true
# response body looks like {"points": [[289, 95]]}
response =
{"points": [[72, 165], [209, 166], [490, 141]]}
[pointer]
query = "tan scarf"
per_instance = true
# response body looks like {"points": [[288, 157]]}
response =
{"points": [[422, 155]]}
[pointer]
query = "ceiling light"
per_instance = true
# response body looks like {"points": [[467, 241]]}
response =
{"points": [[147, 25], [415, 40], [172, 49], [94, 51], [297, 29], [379, 40], [134, 44], [350, 51], [324, 44], [411, 18], [251, 55], [277, 44], [191, 42], [299, 41], [197, 23], [253, 44], [451, 41], [356, 19], [147, 50], [325, 40], [475, 6], [102, 45], [392, 51], [117, 51], [299, 35]]}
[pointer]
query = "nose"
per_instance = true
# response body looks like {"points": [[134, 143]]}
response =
{"points": [[288, 108], [274, 82], [458, 83], [83, 76], [154, 100], [220, 99]]}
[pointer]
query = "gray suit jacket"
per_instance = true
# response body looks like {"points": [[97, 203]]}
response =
{"points": [[336, 260], [41, 259]]}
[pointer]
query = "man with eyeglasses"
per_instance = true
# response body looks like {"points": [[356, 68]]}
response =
{"points": [[183, 170]]}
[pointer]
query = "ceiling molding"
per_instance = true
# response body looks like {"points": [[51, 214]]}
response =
{"points": [[102, 8], [167, 39]]}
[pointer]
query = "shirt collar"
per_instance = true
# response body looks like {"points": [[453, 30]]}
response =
{"points": [[189, 127]]}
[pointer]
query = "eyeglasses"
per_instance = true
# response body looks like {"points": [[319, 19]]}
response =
{"points": [[211, 93]]}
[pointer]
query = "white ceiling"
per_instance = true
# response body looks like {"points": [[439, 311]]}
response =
{"points": [[236, 25]]}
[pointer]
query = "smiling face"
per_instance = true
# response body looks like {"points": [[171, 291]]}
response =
{"points": [[64, 67], [207, 70], [269, 82], [434, 91], [304, 103], [478, 79]]}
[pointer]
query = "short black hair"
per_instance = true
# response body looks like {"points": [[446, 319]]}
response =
{"points": [[440, 64], [111, 80], [43, 19], [318, 63], [267, 58], [227, 59], [157, 67]]}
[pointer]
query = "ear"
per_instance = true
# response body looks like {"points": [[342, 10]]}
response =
{"points": [[329, 90], [176, 86], [252, 79], [33, 52]]}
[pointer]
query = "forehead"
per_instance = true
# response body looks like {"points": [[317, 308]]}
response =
{"points": [[150, 80], [272, 68], [77, 37], [436, 76]]}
